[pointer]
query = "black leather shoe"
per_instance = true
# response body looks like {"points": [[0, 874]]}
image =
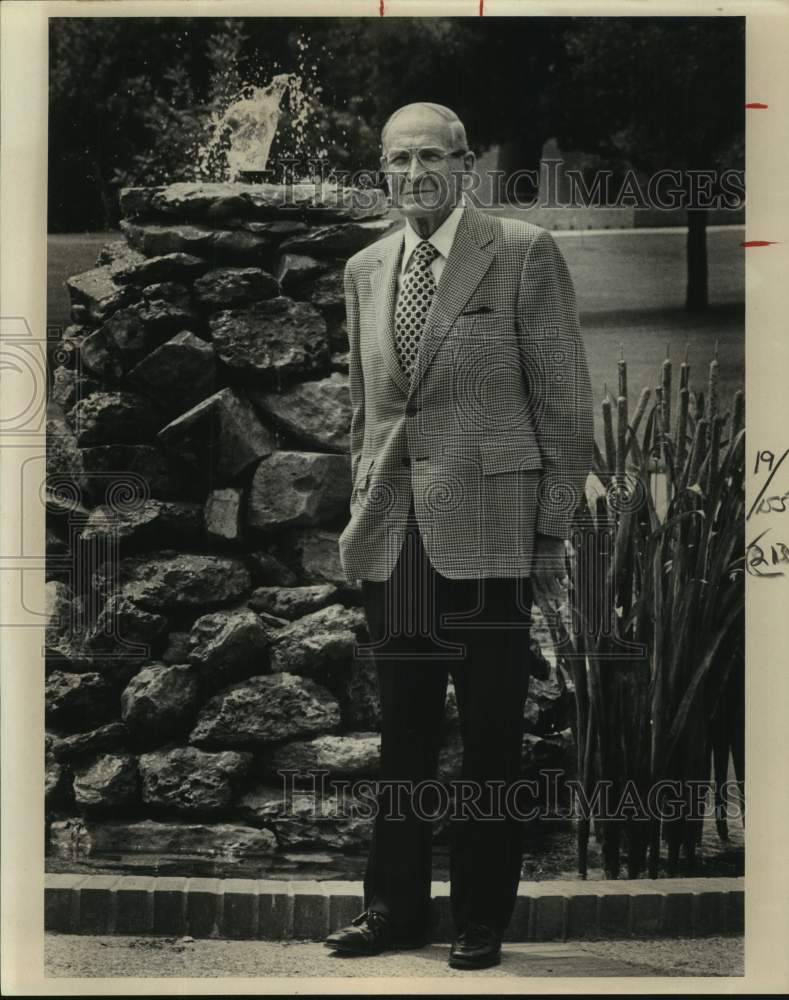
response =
{"points": [[369, 934], [477, 946]]}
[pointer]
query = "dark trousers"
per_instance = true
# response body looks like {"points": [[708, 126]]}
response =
{"points": [[415, 648]]}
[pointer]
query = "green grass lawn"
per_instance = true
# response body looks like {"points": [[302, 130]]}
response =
{"points": [[67, 254]]}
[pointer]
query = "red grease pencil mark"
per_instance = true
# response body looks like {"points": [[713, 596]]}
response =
{"points": [[755, 104], [760, 243], [481, 7], [381, 8]]}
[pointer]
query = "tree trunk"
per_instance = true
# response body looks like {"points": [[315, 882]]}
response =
{"points": [[696, 293]]}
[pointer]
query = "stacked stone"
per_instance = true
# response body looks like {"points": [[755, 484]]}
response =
{"points": [[201, 634]]}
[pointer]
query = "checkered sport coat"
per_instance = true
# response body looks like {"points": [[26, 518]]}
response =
{"points": [[493, 432]]}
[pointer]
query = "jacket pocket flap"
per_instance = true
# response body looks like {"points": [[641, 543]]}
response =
{"points": [[509, 456]]}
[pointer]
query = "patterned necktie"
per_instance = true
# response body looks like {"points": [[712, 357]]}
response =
{"points": [[416, 294]]}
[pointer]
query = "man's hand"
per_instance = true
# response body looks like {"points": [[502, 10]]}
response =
{"points": [[549, 575]]}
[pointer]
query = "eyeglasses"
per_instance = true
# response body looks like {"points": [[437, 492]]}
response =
{"points": [[398, 161]]}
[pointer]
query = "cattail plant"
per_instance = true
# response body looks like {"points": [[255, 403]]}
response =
{"points": [[657, 610]]}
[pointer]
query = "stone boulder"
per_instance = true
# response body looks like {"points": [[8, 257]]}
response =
{"points": [[554, 703], [341, 240], [539, 666], [264, 710], [269, 571], [272, 339], [161, 240], [129, 335], [177, 649], [65, 463], [196, 200], [191, 780], [123, 636], [219, 246], [64, 510], [316, 553], [557, 750], [339, 362], [224, 510], [56, 783], [79, 839], [97, 292], [316, 413], [69, 387], [233, 286], [112, 418], [531, 716], [358, 695], [66, 350], [224, 427], [166, 307], [293, 602], [450, 757], [99, 359], [317, 641], [146, 524], [328, 291], [119, 256], [59, 557], [228, 645], [355, 755], [336, 203], [104, 739], [297, 273], [110, 780], [451, 710], [145, 470], [294, 488], [330, 822], [178, 374], [64, 629], [136, 269], [160, 700], [78, 701], [169, 579]]}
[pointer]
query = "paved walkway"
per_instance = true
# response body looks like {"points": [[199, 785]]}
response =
{"points": [[86, 956]]}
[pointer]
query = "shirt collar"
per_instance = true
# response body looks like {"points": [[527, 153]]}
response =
{"points": [[442, 239]]}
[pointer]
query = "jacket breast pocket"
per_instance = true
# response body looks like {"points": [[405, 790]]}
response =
{"points": [[485, 323]]}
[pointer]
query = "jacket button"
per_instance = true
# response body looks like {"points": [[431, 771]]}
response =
{"points": [[411, 409], [406, 461]]}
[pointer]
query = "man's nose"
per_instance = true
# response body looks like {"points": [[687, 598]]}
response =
{"points": [[415, 168]]}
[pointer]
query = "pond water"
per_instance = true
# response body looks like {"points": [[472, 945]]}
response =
{"points": [[549, 854]]}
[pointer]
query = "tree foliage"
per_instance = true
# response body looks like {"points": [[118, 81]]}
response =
{"points": [[131, 98]]}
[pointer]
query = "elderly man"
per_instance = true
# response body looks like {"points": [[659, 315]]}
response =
{"points": [[471, 438]]}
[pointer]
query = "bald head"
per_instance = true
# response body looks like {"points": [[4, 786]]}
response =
{"points": [[426, 160], [427, 118]]}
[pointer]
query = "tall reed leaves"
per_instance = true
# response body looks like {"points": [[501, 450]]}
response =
{"points": [[657, 602]]}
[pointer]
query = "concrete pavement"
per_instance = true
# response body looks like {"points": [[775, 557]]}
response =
{"points": [[153, 957]]}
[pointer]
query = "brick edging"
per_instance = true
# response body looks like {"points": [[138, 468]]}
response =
{"points": [[309, 910]]}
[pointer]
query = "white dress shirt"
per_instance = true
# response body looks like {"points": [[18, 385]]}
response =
{"points": [[442, 239]]}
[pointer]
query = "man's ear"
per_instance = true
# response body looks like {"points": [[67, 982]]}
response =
{"points": [[469, 159]]}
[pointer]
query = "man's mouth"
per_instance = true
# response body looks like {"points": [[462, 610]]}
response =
{"points": [[426, 194]]}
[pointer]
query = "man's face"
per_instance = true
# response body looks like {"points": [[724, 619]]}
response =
{"points": [[429, 187]]}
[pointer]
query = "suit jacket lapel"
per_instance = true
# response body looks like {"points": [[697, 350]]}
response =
{"points": [[468, 262], [383, 282]]}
